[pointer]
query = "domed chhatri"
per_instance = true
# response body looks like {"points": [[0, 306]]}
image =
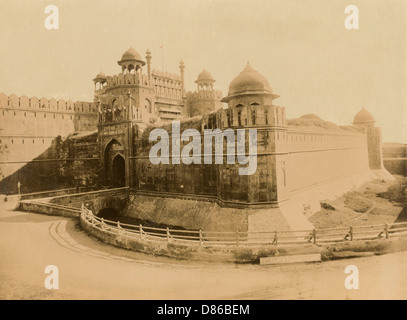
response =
{"points": [[205, 76], [100, 76], [100, 79], [363, 117], [249, 81], [131, 60], [131, 54]]}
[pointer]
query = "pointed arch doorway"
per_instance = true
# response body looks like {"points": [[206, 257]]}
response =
{"points": [[118, 171], [114, 164]]}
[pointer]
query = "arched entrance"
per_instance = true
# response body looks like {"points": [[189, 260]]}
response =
{"points": [[114, 164], [118, 171]]}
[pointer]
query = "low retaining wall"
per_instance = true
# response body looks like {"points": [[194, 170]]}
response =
{"points": [[55, 193], [97, 199], [49, 209]]}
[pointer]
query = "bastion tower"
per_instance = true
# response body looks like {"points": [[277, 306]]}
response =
{"points": [[365, 120], [250, 106]]}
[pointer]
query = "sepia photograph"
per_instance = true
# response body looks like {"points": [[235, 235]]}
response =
{"points": [[216, 151]]}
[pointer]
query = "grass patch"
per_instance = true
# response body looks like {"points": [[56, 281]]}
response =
{"points": [[357, 202]]}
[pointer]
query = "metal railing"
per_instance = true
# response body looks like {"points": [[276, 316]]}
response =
{"points": [[238, 238]]}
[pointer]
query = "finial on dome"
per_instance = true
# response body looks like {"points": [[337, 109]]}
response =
{"points": [[248, 67]]}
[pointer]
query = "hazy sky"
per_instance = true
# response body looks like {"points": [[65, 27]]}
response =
{"points": [[300, 46]]}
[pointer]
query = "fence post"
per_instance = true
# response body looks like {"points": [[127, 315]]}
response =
{"points": [[275, 238], [351, 233], [103, 222], [200, 238], [141, 232], [168, 234], [118, 227], [387, 231], [314, 235]]}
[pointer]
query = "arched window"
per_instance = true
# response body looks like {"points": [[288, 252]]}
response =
{"points": [[148, 106]]}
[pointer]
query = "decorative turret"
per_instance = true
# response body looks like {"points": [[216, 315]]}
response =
{"points": [[205, 80], [131, 60], [182, 69], [148, 58], [100, 79], [364, 118], [206, 100]]}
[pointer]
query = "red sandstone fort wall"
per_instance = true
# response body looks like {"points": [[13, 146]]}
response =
{"points": [[317, 157], [29, 125]]}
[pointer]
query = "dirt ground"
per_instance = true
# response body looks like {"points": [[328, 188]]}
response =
{"points": [[89, 269], [376, 202]]}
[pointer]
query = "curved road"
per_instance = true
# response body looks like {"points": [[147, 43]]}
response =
{"points": [[89, 269]]}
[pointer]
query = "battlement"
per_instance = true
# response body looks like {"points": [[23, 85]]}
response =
{"points": [[167, 75], [131, 79], [23, 103], [14, 102], [205, 94]]}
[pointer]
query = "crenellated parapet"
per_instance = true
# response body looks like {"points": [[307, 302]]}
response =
{"points": [[43, 118], [42, 104], [23, 103], [166, 75]]}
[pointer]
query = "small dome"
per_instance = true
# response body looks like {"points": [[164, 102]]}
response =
{"points": [[100, 75], [131, 54], [205, 76], [363, 117], [249, 80]]}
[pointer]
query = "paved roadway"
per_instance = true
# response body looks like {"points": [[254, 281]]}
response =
{"points": [[89, 269]]}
